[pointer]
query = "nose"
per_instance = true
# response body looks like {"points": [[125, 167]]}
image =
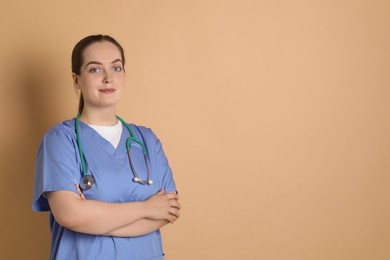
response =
{"points": [[107, 77]]}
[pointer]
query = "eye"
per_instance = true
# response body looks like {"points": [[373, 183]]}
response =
{"points": [[118, 68], [94, 70]]}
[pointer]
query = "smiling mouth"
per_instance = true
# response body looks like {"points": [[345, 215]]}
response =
{"points": [[107, 90]]}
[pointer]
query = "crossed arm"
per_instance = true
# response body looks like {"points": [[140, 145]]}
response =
{"points": [[114, 219]]}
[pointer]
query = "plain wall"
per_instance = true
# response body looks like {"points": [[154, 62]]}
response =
{"points": [[274, 116]]}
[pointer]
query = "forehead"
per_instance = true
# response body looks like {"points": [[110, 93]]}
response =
{"points": [[104, 52]]}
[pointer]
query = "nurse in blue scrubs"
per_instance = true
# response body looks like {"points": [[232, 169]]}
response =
{"points": [[103, 202]]}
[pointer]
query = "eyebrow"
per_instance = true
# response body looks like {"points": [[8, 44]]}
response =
{"points": [[99, 63]]}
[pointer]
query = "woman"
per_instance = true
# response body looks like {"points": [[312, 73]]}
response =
{"points": [[107, 185]]}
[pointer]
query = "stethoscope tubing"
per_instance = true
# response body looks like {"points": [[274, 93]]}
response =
{"points": [[87, 180], [79, 145]]}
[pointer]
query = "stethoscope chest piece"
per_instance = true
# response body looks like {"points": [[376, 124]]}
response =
{"points": [[140, 181], [86, 182]]}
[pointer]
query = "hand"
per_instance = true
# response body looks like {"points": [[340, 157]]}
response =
{"points": [[82, 197], [163, 206]]}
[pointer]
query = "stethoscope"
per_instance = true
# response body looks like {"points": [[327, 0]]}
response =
{"points": [[87, 181]]}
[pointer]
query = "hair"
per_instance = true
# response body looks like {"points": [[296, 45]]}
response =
{"points": [[78, 51]]}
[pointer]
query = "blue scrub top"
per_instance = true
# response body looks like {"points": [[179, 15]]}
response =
{"points": [[58, 167]]}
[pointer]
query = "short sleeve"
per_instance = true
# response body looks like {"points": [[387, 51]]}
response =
{"points": [[57, 167], [164, 168]]}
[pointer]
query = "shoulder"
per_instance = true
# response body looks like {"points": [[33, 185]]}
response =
{"points": [[143, 130], [61, 131]]}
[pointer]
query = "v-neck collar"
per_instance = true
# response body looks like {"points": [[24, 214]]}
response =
{"points": [[103, 144]]}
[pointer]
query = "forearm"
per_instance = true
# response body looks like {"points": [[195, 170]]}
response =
{"points": [[138, 228], [100, 217], [97, 217], [94, 217]]}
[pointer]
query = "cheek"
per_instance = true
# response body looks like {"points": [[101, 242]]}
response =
{"points": [[89, 81], [121, 80]]}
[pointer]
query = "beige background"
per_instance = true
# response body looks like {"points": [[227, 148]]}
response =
{"points": [[274, 115]]}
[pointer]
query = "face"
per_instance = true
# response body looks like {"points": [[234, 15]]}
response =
{"points": [[101, 76]]}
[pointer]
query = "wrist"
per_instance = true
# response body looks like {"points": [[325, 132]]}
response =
{"points": [[145, 208]]}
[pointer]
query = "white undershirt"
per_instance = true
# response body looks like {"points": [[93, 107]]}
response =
{"points": [[110, 133]]}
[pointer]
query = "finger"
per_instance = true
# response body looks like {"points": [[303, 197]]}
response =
{"points": [[174, 212], [175, 204], [79, 191], [172, 218], [172, 195], [178, 205], [161, 192]]}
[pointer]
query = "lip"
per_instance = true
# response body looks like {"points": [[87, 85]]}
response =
{"points": [[107, 90]]}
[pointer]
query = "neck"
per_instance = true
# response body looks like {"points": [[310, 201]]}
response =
{"points": [[101, 117]]}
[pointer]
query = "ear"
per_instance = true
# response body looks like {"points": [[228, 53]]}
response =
{"points": [[75, 80]]}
